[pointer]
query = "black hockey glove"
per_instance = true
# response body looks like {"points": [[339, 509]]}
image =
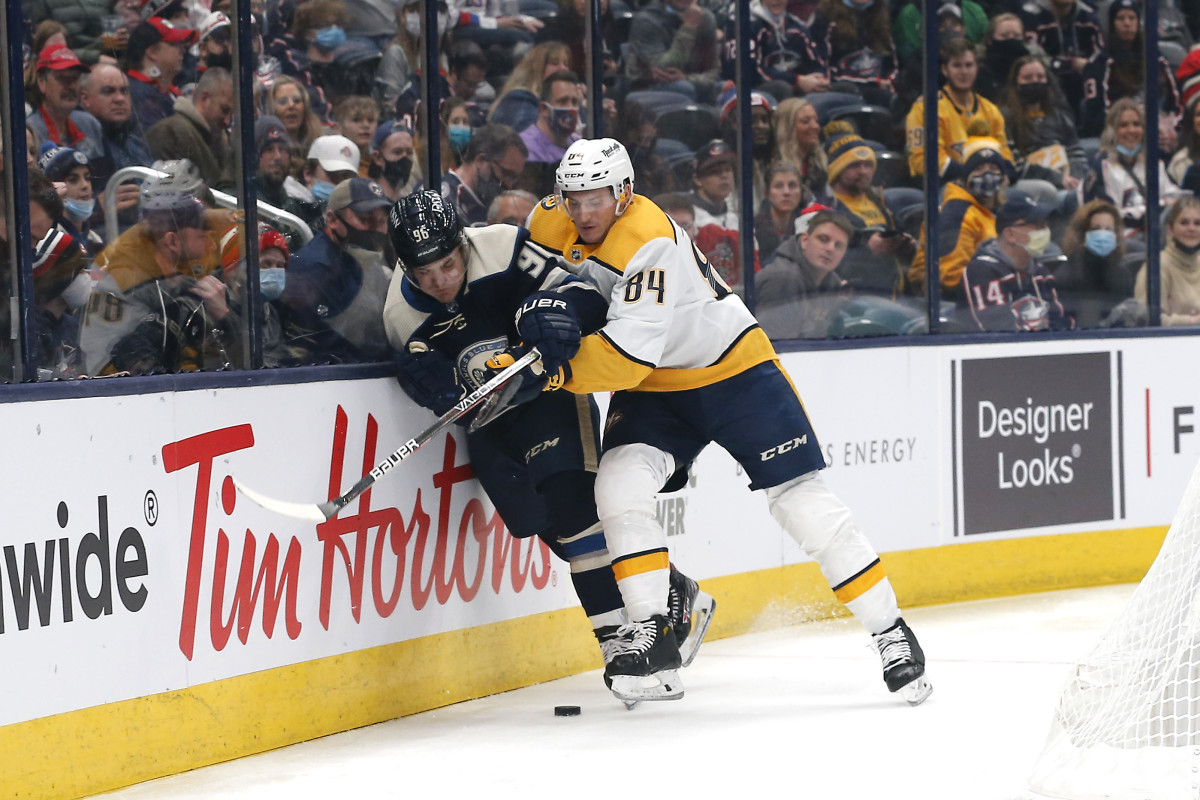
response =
{"points": [[429, 378], [546, 321]]}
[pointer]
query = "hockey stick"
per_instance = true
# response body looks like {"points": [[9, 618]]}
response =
{"points": [[319, 512]]}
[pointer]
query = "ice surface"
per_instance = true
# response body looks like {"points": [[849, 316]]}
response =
{"points": [[798, 712]]}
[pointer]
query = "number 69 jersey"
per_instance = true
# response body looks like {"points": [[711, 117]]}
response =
{"points": [[672, 322]]}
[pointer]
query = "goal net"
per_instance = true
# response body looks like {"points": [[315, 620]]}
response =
{"points": [[1127, 723]]}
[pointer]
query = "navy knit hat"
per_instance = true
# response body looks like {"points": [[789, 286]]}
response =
{"points": [[55, 162]]}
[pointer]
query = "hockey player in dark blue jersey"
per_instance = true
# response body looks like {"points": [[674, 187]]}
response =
{"points": [[463, 295]]}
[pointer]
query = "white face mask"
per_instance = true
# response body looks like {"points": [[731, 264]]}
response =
{"points": [[1038, 240]]}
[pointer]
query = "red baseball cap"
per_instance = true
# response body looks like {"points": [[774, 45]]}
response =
{"points": [[59, 56], [170, 33]]}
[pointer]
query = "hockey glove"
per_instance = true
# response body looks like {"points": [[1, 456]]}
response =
{"points": [[428, 377], [533, 380], [546, 321]]}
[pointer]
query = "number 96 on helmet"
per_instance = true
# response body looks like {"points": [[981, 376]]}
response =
{"points": [[424, 228]]}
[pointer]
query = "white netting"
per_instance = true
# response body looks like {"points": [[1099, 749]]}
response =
{"points": [[1127, 724]]}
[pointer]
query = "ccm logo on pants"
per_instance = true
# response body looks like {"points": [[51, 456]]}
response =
{"points": [[780, 449]]}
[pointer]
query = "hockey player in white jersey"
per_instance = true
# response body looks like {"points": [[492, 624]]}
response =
{"points": [[454, 296], [690, 365]]}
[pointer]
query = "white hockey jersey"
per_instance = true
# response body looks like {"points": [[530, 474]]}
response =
{"points": [[673, 324]]}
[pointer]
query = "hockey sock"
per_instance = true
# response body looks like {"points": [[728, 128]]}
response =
{"points": [[822, 524]]}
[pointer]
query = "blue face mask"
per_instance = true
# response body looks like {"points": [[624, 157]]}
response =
{"points": [[459, 136], [321, 190], [1100, 243], [1129, 151], [79, 210], [331, 38], [271, 282], [853, 6]]}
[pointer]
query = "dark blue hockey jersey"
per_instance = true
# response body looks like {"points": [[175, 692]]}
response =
{"points": [[503, 268]]}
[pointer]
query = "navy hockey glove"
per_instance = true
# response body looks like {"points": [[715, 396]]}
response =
{"points": [[546, 321], [428, 377]]}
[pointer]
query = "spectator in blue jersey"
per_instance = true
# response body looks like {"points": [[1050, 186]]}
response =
{"points": [[154, 57], [1070, 33], [862, 55], [1007, 288], [332, 303], [786, 59], [471, 186], [1119, 71]]}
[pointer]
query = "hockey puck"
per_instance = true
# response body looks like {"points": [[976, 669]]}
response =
{"points": [[566, 711]]}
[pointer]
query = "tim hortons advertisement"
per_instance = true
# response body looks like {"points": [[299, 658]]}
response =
{"points": [[1036, 441], [131, 565]]}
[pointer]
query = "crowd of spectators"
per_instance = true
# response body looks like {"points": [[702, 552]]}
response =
{"points": [[1041, 131]]}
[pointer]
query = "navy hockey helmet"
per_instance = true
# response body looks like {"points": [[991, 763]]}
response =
{"points": [[423, 228]]}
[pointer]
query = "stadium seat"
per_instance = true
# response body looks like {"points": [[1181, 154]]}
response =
{"points": [[871, 122], [891, 170], [517, 109], [825, 102], [694, 125]]}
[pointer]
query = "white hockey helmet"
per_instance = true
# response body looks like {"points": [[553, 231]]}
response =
{"points": [[181, 176], [597, 164]]}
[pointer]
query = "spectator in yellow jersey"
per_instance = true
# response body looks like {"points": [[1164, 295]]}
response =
{"points": [[967, 218], [958, 105]]}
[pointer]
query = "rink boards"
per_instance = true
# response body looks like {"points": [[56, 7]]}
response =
{"points": [[153, 620]]}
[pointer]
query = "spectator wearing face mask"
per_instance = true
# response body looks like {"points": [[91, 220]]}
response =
{"points": [[464, 186], [216, 42], [394, 160], [332, 302], [456, 130], [1007, 288], [967, 217], [71, 168], [1094, 278], [331, 160], [1121, 167], [558, 119]]}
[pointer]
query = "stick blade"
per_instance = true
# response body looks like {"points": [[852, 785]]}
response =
{"points": [[307, 511]]}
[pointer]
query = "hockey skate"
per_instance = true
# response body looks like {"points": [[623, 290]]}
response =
{"points": [[647, 666], [903, 663], [690, 611]]}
